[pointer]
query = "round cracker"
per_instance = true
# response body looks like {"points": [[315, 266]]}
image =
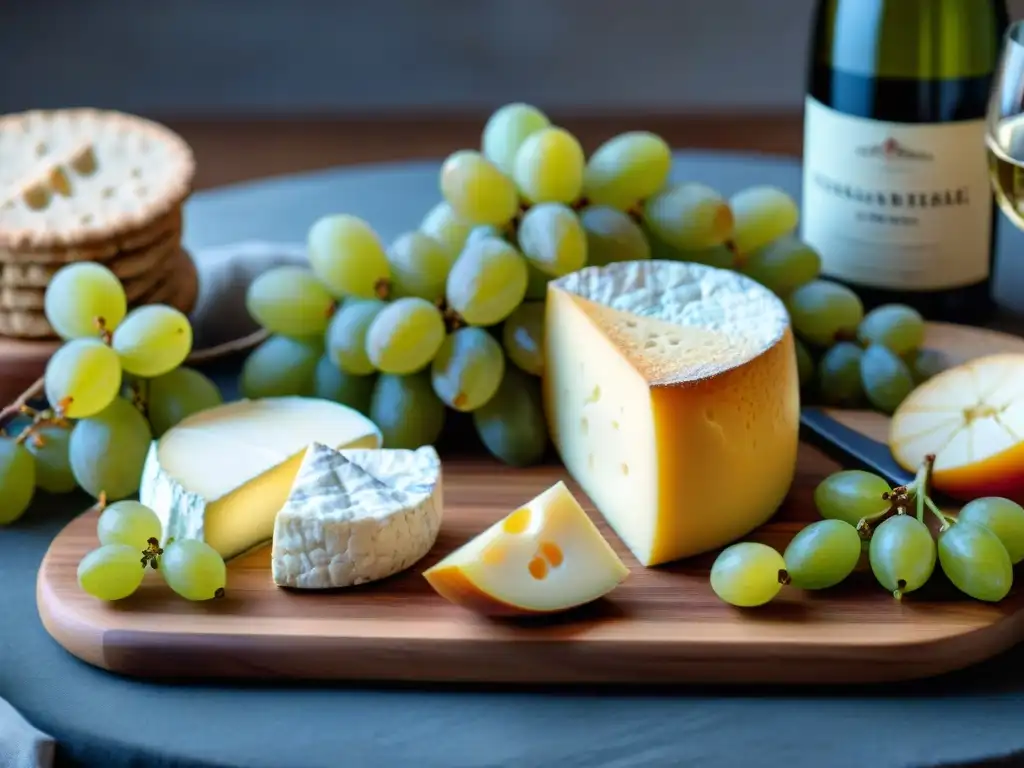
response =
{"points": [[73, 177]]}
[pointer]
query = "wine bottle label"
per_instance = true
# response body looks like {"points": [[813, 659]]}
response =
{"points": [[896, 205]]}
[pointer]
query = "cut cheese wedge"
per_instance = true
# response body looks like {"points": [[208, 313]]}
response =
{"points": [[223, 474], [971, 418], [544, 557], [356, 516], [672, 396]]}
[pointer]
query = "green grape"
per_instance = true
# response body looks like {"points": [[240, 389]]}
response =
{"points": [[925, 363], [193, 569], [346, 335], [549, 167], [804, 363], [82, 377], [477, 190], [331, 383], [445, 227], [895, 326], [507, 129], [748, 574], [404, 336], [822, 555], [718, 256], [347, 256], [49, 446], [175, 395], [419, 266], [83, 297], [627, 169], [17, 479], [468, 369], [839, 375], [279, 367], [291, 301], [612, 236], [487, 282], [762, 214], [108, 451], [111, 572], [511, 425], [902, 554], [406, 410], [129, 522], [823, 312], [689, 216], [536, 284], [885, 378], [1003, 517], [975, 560], [484, 232], [552, 239], [852, 495], [783, 265], [523, 337], [153, 340]]}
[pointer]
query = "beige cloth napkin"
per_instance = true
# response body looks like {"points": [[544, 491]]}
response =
{"points": [[219, 316]]}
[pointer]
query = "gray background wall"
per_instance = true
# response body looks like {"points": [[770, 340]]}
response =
{"points": [[214, 57]]}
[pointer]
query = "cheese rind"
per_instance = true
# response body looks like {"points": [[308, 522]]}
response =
{"points": [[544, 557], [222, 475], [672, 396], [356, 516]]}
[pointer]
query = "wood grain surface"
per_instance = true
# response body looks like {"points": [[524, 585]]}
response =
{"points": [[663, 625]]}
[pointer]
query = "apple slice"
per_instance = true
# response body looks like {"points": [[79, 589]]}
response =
{"points": [[971, 418], [544, 557]]}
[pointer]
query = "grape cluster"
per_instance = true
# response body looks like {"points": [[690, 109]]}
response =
{"points": [[129, 535], [114, 384], [976, 549]]}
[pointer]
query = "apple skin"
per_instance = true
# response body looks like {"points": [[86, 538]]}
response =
{"points": [[998, 475], [451, 583]]}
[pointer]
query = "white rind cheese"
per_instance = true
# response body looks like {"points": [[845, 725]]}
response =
{"points": [[356, 516], [672, 396], [223, 474]]}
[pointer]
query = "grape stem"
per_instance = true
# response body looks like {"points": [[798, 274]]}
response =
{"points": [[920, 489]]}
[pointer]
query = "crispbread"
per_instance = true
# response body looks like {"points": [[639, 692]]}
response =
{"points": [[75, 177], [179, 289], [167, 225], [126, 265]]}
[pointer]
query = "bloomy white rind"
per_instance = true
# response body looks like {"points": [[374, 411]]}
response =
{"points": [[180, 511], [320, 543]]}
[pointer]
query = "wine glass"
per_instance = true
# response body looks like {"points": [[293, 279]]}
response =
{"points": [[1004, 136]]}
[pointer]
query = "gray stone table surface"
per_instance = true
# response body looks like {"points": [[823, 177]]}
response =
{"points": [[106, 721]]}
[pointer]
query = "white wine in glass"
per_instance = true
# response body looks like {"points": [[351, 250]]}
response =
{"points": [[1005, 136]]}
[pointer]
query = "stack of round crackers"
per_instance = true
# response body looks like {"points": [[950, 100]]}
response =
{"points": [[90, 185]]}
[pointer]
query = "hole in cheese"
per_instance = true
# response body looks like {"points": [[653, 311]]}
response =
{"points": [[538, 568], [552, 553], [517, 522]]}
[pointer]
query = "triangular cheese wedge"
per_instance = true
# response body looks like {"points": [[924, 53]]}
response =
{"points": [[545, 556], [223, 474], [357, 516], [672, 396]]}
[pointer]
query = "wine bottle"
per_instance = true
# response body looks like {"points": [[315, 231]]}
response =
{"points": [[896, 194]]}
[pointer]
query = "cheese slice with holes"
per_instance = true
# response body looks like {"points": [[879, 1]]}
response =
{"points": [[544, 557], [356, 516], [223, 474], [672, 396]]}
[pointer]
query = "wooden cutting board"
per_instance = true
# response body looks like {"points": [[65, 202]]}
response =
{"points": [[663, 625]]}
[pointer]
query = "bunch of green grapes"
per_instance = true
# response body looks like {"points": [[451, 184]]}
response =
{"points": [[129, 535], [114, 384], [975, 549]]}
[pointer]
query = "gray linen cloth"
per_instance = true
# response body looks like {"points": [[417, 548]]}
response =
{"points": [[219, 316]]}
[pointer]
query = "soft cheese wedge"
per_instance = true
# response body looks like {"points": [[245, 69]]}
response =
{"points": [[356, 516], [971, 418], [672, 396], [223, 474], [544, 557]]}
